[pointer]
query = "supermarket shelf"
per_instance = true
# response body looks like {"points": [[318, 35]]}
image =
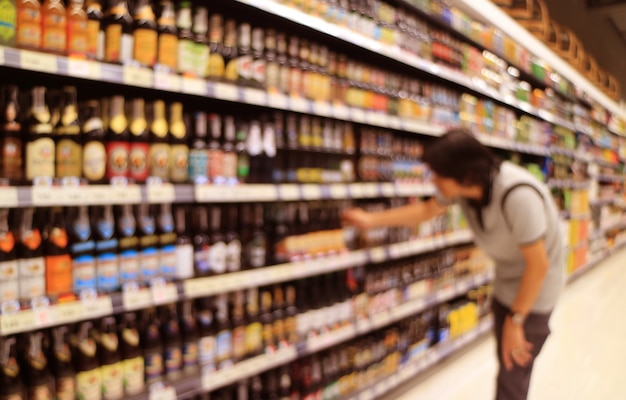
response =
{"points": [[159, 292], [609, 178], [568, 184], [509, 144], [396, 53], [421, 363], [584, 269], [603, 202]]}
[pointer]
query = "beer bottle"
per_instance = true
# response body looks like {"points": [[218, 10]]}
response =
{"points": [[128, 242], [145, 36], [152, 346], [185, 46], [132, 355], [95, 32], [167, 242], [179, 146], [58, 261], [61, 365], [216, 65], [148, 242], [81, 247], [76, 28], [283, 65], [256, 248], [244, 55], [267, 321], [184, 245], [229, 156], [254, 328], [167, 49], [254, 147], [172, 342], [269, 147], [117, 139], [233, 242], [272, 68], [200, 29], [291, 313], [11, 135], [190, 336], [118, 33], [28, 28], [198, 153], [31, 264], [111, 366], [40, 150], [278, 171], [11, 385], [159, 144], [201, 241], [243, 161], [229, 51], [278, 317], [217, 251], [36, 373], [9, 283], [106, 244], [207, 344], [54, 26], [238, 326], [224, 338], [216, 154], [258, 58], [88, 373], [69, 145], [94, 162], [138, 167]]}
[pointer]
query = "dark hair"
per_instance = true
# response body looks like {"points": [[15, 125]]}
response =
{"points": [[460, 156]]}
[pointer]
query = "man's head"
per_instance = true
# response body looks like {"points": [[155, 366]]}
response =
{"points": [[460, 163]]}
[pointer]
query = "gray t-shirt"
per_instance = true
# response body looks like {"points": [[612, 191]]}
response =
{"points": [[525, 217]]}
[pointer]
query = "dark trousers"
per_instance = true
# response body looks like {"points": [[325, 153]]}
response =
{"points": [[513, 384]]}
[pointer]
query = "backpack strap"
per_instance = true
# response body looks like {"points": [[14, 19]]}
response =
{"points": [[508, 191]]}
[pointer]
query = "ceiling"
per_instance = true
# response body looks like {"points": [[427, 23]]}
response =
{"points": [[601, 27]]}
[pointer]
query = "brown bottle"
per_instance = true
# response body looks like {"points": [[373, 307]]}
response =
{"points": [[139, 166], [111, 366], [238, 326], [76, 29], [11, 386], [216, 63], [167, 49], [57, 255], [36, 371], [190, 336], [69, 146], [118, 33], [172, 342], [11, 135], [95, 34], [229, 155], [159, 144], [117, 139], [229, 51], [94, 163], [132, 356], [152, 346], [145, 36], [179, 145], [40, 149], [254, 328], [224, 353], [61, 364], [88, 374]]}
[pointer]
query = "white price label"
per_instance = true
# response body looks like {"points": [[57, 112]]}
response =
{"points": [[356, 190], [378, 254], [341, 112], [377, 118], [338, 191], [97, 194], [161, 193], [84, 69], [21, 321], [255, 96], [388, 189], [358, 115], [260, 192], [38, 62], [8, 197], [43, 317], [98, 307], [138, 76], [311, 192], [370, 190], [322, 108], [299, 104], [164, 293], [201, 287], [277, 100], [394, 122], [69, 312], [196, 86], [136, 299], [226, 91], [73, 195], [168, 81], [162, 393], [288, 192], [125, 194], [1, 56], [45, 196]]}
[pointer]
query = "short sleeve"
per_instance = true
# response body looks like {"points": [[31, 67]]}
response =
{"points": [[525, 212]]}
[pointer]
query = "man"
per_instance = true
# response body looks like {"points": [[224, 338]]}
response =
{"points": [[516, 222]]}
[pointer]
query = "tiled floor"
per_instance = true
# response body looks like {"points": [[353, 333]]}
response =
{"points": [[584, 358]]}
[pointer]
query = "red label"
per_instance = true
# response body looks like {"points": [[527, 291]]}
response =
{"points": [[117, 156], [138, 159]]}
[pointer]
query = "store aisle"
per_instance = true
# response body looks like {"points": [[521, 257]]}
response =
{"points": [[584, 359]]}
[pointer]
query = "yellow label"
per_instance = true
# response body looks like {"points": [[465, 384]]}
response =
{"points": [[145, 51], [40, 158], [216, 66], [8, 17], [179, 162], [168, 50], [89, 385], [232, 70], [112, 381], [159, 160], [113, 43], [133, 375], [69, 157], [94, 161]]}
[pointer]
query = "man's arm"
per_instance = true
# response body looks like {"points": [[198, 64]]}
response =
{"points": [[536, 266], [409, 215]]}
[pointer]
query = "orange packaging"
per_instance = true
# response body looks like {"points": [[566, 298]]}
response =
{"points": [[28, 24], [54, 27], [58, 274], [77, 32]]}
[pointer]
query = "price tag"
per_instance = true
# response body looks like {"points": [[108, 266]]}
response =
{"points": [[98, 307], [39, 62], [125, 194], [22, 321], [311, 192], [377, 118], [75, 195], [358, 115], [378, 254], [388, 189], [163, 292], [341, 112], [226, 91], [135, 299], [161, 193], [260, 192], [254, 96], [299, 104], [170, 82], [394, 122], [138, 76], [161, 392], [277, 100], [43, 196], [288, 192], [66, 313], [322, 108], [338, 191], [41, 313], [84, 69], [8, 197], [356, 190], [370, 190], [198, 87], [1, 56]]}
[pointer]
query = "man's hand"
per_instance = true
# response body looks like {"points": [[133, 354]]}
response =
{"points": [[357, 217], [515, 348]]}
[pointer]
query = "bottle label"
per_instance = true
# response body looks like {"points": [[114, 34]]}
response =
{"points": [[184, 261], [179, 163], [40, 392], [9, 284], [153, 366], [243, 167], [84, 271], [138, 168], [233, 256], [8, 18], [259, 71], [54, 32], [29, 28], [254, 337], [216, 66], [113, 43], [185, 56], [256, 252], [107, 272], [244, 65], [173, 359], [94, 161], [215, 165], [32, 277], [207, 350], [89, 385], [145, 46], [129, 266], [69, 158], [201, 59], [167, 50], [93, 38], [65, 388], [149, 264], [229, 165], [239, 342], [133, 370], [217, 258], [159, 160], [198, 160], [77, 36], [224, 345], [58, 274], [112, 381], [201, 260], [167, 259], [40, 158], [12, 157], [190, 354], [117, 155]]}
